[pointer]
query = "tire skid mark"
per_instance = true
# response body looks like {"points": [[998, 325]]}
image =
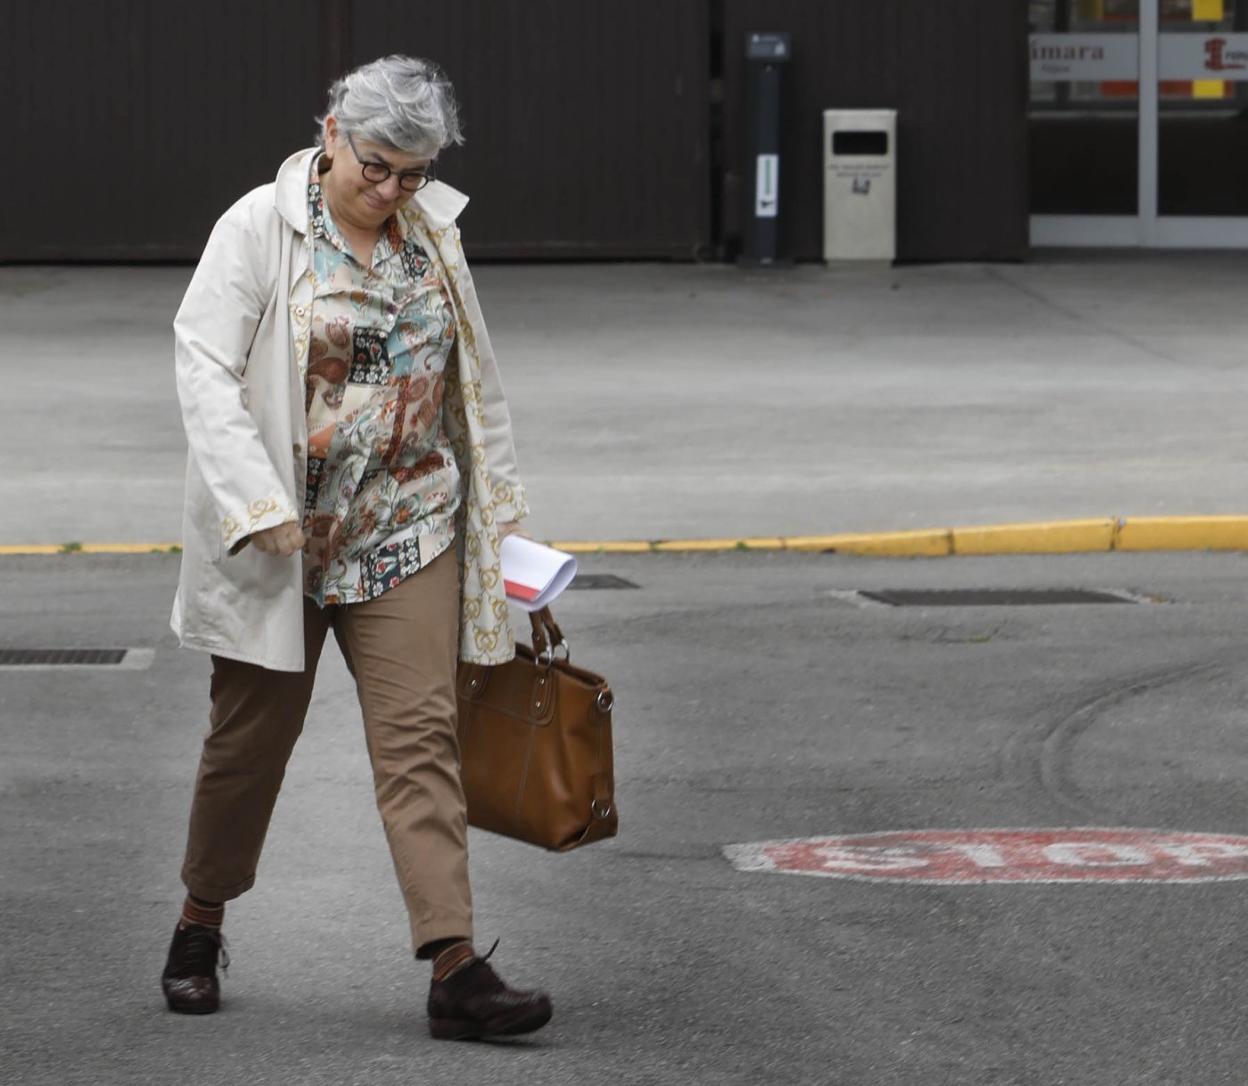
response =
{"points": [[1044, 756]]}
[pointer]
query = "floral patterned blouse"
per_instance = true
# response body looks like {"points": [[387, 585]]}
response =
{"points": [[383, 484]]}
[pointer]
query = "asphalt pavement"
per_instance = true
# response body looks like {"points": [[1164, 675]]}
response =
{"points": [[759, 697]]}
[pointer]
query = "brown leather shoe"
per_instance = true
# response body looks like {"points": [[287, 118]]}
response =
{"points": [[474, 1002], [190, 978]]}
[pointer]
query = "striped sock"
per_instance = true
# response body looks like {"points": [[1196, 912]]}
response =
{"points": [[453, 959], [208, 914]]}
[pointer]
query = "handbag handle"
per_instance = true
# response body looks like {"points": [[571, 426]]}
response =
{"points": [[547, 637]]}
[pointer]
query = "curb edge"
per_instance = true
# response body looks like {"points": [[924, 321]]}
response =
{"points": [[1132, 534]]}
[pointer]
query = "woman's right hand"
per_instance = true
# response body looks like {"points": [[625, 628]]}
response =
{"points": [[284, 540]]}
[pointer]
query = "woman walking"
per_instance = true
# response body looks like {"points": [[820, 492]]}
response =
{"points": [[351, 469]]}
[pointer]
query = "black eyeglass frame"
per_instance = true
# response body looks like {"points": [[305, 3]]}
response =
{"points": [[423, 177]]}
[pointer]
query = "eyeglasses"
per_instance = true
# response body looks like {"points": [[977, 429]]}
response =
{"points": [[377, 172]]}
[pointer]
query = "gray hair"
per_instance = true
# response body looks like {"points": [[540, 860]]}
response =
{"points": [[402, 102]]}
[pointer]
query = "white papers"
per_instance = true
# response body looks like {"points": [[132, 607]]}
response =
{"points": [[534, 574]]}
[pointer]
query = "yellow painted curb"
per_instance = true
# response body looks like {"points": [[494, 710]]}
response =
{"points": [[1051, 537], [621, 546], [132, 548], [925, 544], [1183, 534], [1218, 533], [91, 548], [690, 545]]}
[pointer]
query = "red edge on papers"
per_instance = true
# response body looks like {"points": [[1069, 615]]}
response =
{"points": [[520, 591]]}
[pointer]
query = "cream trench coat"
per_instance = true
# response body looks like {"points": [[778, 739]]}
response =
{"points": [[241, 355]]}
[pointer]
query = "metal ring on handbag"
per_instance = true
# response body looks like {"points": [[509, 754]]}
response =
{"points": [[567, 652], [546, 657], [605, 701], [600, 808]]}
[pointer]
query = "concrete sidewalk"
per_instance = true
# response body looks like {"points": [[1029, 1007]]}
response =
{"points": [[694, 401]]}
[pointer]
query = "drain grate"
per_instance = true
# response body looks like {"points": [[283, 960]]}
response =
{"points": [[57, 659], [991, 597], [61, 657], [592, 581]]}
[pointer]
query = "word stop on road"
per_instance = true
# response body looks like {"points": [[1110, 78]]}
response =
{"points": [[952, 857]]}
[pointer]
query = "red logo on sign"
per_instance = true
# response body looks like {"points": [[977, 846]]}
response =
{"points": [[1215, 56], [948, 857]]}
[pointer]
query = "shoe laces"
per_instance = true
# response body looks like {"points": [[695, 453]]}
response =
{"points": [[475, 975], [479, 975], [203, 945]]}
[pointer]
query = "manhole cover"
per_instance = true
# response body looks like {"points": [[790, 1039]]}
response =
{"points": [[990, 597], [600, 580]]}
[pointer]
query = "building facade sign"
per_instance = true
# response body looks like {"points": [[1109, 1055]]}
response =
{"points": [[1070, 58], [1205, 56], [1093, 58]]}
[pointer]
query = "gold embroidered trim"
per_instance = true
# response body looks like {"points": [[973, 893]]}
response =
{"points": [[486, 636]]}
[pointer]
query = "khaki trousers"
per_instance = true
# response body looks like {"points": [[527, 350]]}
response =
{"points": [[401, 649]]}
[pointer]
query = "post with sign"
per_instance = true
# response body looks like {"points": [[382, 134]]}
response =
{"points": [[765, 57]]}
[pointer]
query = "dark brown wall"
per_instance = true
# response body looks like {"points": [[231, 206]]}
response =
{"points": [[956, 71], [133, 124], [139, 121], [586, 120]]}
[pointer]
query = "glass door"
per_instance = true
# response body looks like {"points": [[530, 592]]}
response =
{"points": [[1084, 121], [1202, 134], [1138, 122]]}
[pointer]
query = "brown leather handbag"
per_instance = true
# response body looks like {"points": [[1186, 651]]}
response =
{"points": [[535, 745]]}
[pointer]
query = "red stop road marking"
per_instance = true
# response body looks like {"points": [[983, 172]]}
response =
{"points": [[956, 857]]}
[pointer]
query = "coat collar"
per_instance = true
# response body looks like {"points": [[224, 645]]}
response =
{"points": [[438, 203]]}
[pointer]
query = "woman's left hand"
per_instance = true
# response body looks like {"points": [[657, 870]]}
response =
{"points": [[511, 527]]}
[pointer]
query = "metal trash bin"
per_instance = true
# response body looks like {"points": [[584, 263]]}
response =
{"points": [[860, 184]]}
